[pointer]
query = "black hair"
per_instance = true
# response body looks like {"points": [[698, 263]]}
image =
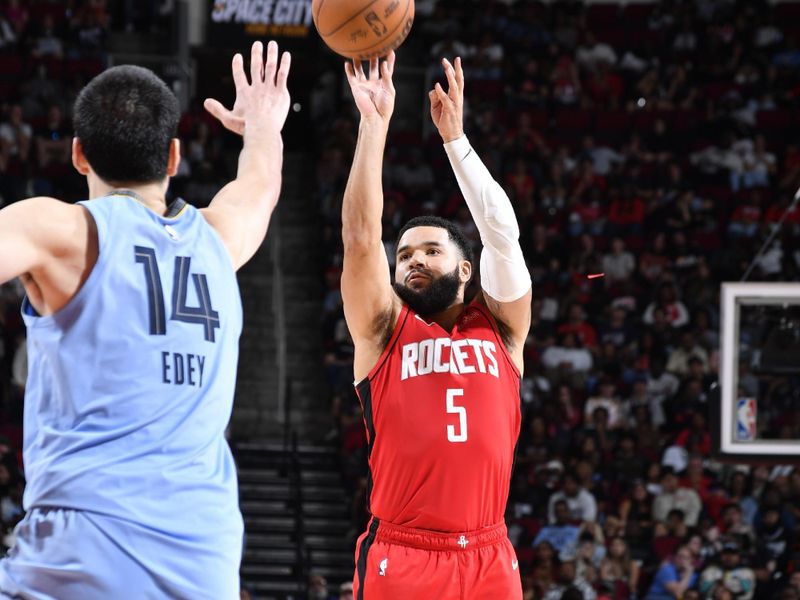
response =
{"points": [[125, 119], [454, 232]]}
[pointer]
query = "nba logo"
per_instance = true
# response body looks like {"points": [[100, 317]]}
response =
{"points": [[746, 419]]}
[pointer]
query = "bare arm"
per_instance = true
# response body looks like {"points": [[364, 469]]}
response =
{"points": [[370, 305], [53, 255], [27, 240], [677, 588], [20, 252], [241, 211]]}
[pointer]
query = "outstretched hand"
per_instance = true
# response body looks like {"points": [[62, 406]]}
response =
{"points": [[374, 95], [264, 101], [447, 108]]}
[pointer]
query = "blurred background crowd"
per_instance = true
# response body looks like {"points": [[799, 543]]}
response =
{"points": [[655, 143]]}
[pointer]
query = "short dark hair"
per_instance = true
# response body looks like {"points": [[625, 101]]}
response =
{"points": [[125, 119], [454, 232]]}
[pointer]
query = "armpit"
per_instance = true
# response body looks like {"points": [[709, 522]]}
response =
{"points": [[505, 334], [383, 326]]}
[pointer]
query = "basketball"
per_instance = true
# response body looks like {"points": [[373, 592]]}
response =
{"points": [[363, 29]]}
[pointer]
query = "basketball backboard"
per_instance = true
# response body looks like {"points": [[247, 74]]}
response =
{"points": [[758, 414]]}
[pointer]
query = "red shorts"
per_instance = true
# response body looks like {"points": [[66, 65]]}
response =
{"points": [[399, 563]]}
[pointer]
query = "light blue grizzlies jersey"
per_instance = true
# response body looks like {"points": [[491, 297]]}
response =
{"points": [[131, 384]]}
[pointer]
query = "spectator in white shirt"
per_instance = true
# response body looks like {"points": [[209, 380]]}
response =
{"points": [[592, 52], [581, 503], [661, 386], [603, 158], [619, 264], [567, 359], [673, 496], [678, 362], [605, 399]]}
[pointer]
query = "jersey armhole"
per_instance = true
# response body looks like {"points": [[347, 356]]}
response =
{"points": [[398, 328], [489, 317], [29, 312]]}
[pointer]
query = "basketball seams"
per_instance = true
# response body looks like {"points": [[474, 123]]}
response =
{"points": [[398, 41], [346, 21], [316, 14], [337, 39]]}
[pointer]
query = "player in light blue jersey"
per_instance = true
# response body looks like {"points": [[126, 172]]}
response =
{"points": [[133, 317]]}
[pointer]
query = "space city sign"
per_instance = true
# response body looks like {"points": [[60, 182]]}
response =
{"points": [[230, 19]]}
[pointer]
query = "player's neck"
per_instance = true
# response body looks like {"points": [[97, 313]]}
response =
{"points": [[448, 317], [152, 195]]}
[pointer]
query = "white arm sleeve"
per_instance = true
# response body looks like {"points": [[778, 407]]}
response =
{"points": [[504, 274]]}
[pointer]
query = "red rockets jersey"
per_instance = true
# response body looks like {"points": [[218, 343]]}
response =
{"points": [[442, 411]]}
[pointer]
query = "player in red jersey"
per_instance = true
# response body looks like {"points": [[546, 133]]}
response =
{"points": [[438, 380]]}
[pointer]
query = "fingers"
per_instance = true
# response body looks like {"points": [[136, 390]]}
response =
{"points": [[443, 98], [386, 75], [459, 75], [452, 84], [215, 108], [257, 63], [271, 68], [358, 66], [283, 71], [434, 98], [390, 62], [373, 68], [224, 116], [239, 77]]}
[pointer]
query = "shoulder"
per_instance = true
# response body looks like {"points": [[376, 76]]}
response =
{"points": [[46, 213], [59, 228]]}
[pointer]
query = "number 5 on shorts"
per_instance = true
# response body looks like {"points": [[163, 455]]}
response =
{"points": [[461, 411]]}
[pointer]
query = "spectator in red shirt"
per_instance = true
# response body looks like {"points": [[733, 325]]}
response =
{"points": [[696, 437], [746, 217], [626, 214], [520, 186], [605, 87], [576, 323]]}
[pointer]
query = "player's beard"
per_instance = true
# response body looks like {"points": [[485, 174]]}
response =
{"points": [[439, 295]]}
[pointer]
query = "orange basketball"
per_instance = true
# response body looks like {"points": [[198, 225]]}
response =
{"points": [[363, 28]]}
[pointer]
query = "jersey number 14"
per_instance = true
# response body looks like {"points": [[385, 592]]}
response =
{"points": [[204, 314]]}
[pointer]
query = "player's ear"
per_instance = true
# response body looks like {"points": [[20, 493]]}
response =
{"points": [[464, 271], [79, 158], [174, 159]]}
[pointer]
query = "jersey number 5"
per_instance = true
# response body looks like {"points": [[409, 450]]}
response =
{"points": [[204, 314], [461, 411]]}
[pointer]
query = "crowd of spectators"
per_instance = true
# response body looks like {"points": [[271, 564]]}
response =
{"points": [[654, 143]]}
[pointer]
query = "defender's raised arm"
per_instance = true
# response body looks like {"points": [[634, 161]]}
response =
{"points": [[241, 211]]}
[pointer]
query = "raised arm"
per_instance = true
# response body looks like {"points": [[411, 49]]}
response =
{"points": [[370, 305], [505, 281], [241, 211]]}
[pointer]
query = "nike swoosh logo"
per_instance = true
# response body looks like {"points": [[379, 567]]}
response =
{"points": [[514, 565]]}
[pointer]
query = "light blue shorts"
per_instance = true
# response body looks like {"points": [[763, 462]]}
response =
{"points": [[63, 554]]}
